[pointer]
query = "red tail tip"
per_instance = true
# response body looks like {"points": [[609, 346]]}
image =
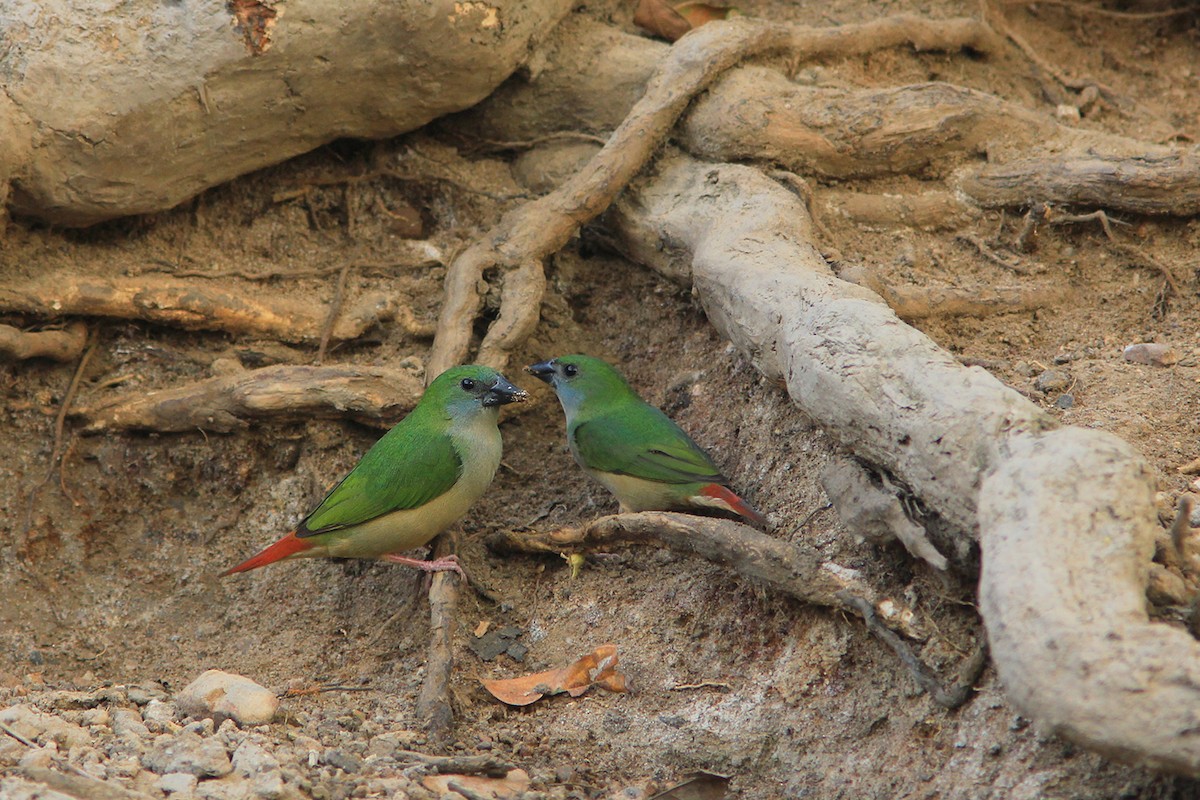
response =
{"points": [[727, 499], [289, 545]]}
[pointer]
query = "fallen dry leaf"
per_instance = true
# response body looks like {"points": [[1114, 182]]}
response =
{"points": [[511, 786], [657, 17], [698, 14], [671, 22], [702, 786], [597, 668]]}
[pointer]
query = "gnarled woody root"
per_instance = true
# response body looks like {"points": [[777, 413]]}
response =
{"points": [[794, 569], [373, 395], [60, 345], [194, 306], [1065, 518], [236, 87], [532, 232]]}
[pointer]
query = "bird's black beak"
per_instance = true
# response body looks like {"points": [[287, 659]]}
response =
{"points": [[502, 392], [543, 370]]}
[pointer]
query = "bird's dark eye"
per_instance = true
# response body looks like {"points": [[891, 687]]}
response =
{"points": [[467, 384], [570, 370]]}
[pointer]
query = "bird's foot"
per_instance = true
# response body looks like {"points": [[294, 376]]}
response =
{"points": [[447, 564]]}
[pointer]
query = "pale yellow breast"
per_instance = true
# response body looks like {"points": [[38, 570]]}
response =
{"points": [[481, 447]]}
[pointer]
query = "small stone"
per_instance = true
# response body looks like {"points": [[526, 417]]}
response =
{"points": [[177, 783], [1052, 380], [127, 720], [223, 695], [39, 757], [1023, 368], [1166, 588], [1067, 113], [1065, 401], [342, 760], [144, 693], [1152, 353], [159, 716], [204, 758], [33, 724]]}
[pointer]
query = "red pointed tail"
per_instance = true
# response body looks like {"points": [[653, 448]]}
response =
{"points": [[725, 498], [287, 546]]}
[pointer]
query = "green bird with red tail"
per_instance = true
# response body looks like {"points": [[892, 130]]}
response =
{"points": [[631, 447], [415, 482]]}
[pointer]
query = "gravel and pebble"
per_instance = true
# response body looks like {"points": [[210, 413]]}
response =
{"points": [[138, 742]]}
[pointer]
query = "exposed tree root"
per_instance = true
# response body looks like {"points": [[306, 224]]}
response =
{"points": [[433, 702], [194, 306], [935, 210], [59, 345], [1065, 518], [223, 404], [529, 234], [793, 569], [920, 302]]}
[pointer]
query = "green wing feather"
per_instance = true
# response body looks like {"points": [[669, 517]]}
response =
{"points": [[641, 441], [407, 468]]}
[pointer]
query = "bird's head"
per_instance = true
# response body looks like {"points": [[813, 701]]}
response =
{"points": [[580, 379], [470, 388]]}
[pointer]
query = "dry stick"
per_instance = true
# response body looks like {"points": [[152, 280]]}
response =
{"points": [[796, 570], [920, 302], [63, 345], [188, 305], [490, 766], [81, 784], [371, 395], [335, 308], [59, 426], [926, 678], [433, 702], [530, 233]]}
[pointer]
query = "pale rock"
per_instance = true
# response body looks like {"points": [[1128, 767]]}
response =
{"points": [[39, 757], [188, 752], [159, 716], [128, 721], [1152, 353], [33, 724], [223, 695], [177, 783], [231, 787], [21, 789]]}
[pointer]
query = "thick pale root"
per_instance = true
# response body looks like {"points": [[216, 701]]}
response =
{"points": [[286, 547]]}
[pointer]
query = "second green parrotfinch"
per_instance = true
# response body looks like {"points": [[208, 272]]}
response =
{"points": [[631, 447], [415, 482]]}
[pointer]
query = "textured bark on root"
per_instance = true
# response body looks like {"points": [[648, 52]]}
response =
{"points": [[60, 345], [195, 306], [527, 235], [796, 570], [375, 396], [162, 118], [1065, 518]]}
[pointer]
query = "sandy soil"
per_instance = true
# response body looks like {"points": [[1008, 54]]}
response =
{"points": [[109, 566]]}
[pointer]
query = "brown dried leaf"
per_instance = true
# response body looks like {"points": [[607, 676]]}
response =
{"points": [[597, 668], [702, 786], [697, 13], [511, 786], [657, 17]]}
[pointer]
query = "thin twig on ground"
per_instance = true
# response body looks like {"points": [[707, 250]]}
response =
{"points": [[335, 308], [491, 766], [59, 427], [954, 696]]}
